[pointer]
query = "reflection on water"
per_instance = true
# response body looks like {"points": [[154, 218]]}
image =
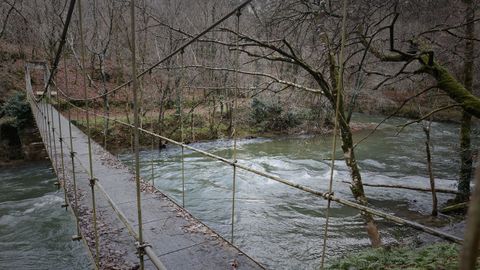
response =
{"points": [[34, 230], [283, 227]]}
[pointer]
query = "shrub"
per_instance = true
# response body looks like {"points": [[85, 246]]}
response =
{"points": [[17, 107], [271, 116], [435, 256]]}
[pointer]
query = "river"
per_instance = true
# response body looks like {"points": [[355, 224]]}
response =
{"points": [[35, 232], [279, 226], [283, 227]]}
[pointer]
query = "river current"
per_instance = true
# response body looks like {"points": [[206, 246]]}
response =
{"points": [[35, 231], [279, 226], [283, 227]]}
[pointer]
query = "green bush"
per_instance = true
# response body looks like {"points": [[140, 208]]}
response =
{"points": [[18, 108], [435, 256], [271, 116]]}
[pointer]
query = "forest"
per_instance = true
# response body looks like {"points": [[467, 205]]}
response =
{"points": [[273, 69]]}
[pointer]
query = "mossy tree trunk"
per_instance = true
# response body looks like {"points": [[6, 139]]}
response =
{"points": [[426, 130], [466, 123], [471, 245], [356, 185]]}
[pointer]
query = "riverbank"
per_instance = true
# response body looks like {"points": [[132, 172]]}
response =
{"points": [[120, 136]]}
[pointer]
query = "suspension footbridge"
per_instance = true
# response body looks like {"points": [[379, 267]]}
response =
{"points": [[124, 221]]}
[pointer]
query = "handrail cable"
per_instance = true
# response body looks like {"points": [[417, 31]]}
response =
{"points": [[335, 131], [287, 182]]}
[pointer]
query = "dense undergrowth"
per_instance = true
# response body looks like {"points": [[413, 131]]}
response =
{"points": [[434, 257]]}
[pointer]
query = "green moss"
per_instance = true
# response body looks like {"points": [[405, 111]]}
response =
{"points": [[435, 256], [454, 88]]}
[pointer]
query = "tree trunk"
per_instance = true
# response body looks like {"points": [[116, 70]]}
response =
{"points": [[356, 185], [471, 244], [426, 129], [466, 124]]}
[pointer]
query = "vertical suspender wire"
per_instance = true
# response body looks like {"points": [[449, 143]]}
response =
{"points": [[60, 139], [51, 135], [234, 135], [49, 120], [152, 147], [72, 157], [105, 123], [136, 121], [45, 114], [94, 108], [92, 179], [44, 124], [335, 131], [53, 138], [46, 128], [180, 115], [45, 111], [152, 162]]}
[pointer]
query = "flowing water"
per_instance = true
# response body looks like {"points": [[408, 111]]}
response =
{"points": [[35, 232], [283, 227], [279, 226]]}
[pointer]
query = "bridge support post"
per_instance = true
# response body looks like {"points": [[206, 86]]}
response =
{"points": [[136, 131]]}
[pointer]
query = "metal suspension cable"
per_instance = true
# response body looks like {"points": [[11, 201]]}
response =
{"points": [[141, 244], [72, 157], [180, 49], [61, 139], [92, 179], [58, 54], [74, 177], [234, 134], [180, 115], [152, 162], [47, 115], [335, 130], [55, 158], [49, 134]]}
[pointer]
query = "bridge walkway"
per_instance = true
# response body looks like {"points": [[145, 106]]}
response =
{"points": [[179, 240]]}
